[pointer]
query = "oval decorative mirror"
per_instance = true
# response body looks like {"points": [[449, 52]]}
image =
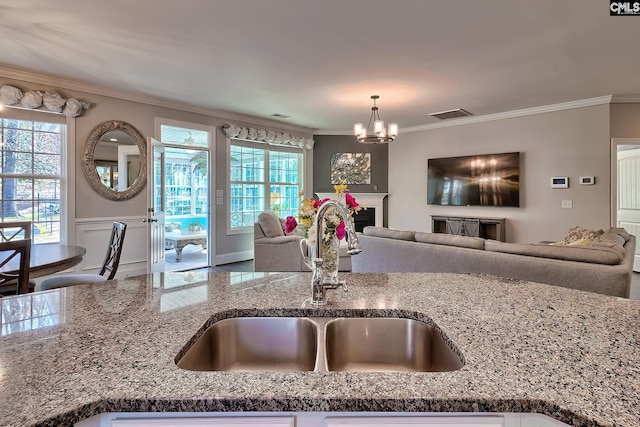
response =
{"points": [[115, 160]]}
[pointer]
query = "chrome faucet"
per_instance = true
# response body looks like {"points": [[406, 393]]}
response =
{"points": [[319, 285]]}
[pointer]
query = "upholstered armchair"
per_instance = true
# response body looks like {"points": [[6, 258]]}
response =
{"points": [[273, 250]]}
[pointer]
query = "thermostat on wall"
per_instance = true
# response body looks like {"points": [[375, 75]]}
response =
{"points": [[560, 182], [587, 180]]}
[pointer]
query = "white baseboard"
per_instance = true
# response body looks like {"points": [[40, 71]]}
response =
{"points": [[234, 257]]}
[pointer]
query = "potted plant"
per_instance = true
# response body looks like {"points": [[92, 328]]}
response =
{"points": [[193, 228]]}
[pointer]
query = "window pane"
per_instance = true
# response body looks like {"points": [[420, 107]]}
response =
{"points": [[45, 142], [32, 148], [47, 164], [183, 136], [250, 194]]}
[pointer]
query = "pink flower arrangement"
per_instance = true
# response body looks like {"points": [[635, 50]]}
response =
{"points": [[290, 224], [340, 232], [334, 223], [351, 202]]}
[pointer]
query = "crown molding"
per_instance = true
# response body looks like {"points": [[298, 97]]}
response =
{"points": [[515, 113], [62, 83], [625, 99], [497, 116]]}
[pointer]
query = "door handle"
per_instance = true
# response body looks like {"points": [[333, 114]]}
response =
{"points": [[150, 220]]}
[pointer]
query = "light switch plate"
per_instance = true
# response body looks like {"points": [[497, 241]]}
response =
{"points": [[219, 193], [219, 201], [567, 204]]}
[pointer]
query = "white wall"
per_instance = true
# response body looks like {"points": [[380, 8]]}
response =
{"points": [[569, 143]]}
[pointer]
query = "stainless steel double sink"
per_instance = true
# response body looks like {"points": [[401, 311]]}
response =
{"points": [[379, 344]]}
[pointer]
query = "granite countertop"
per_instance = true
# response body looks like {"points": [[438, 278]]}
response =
{"points": [[110, 347]]}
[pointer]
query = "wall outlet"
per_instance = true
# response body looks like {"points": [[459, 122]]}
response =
{"points": [[567, 204]]}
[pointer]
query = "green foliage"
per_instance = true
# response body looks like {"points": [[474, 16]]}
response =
{"points": [[195, 226]]}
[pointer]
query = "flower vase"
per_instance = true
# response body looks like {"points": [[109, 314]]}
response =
{"points": [[330, 259]]}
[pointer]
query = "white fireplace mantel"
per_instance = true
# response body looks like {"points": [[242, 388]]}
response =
{"points": [[369, 200]]}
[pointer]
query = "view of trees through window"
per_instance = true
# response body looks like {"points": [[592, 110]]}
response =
{"points": [[263, 179], [30, 175]]}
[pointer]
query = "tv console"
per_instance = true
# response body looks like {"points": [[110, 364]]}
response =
{"points": [[487, 228]]}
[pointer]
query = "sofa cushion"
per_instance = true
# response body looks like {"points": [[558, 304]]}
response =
{"points": [[270, 224], [450, 239], [578, 233], [596, 255], [278, 240], [389, 233]]}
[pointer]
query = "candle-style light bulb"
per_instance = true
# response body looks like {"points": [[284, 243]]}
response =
{"points": [[378, 127], [393, 130]]}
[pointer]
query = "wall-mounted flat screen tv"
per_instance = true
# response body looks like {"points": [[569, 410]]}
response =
{"points": [[483, 180]]}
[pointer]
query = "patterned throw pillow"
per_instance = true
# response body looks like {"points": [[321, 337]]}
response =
{"points": [[579, 233]]}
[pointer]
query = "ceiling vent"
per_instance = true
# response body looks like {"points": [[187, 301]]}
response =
{"points": [[280, 116], [451, 114]]}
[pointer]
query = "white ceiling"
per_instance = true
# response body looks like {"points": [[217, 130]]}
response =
{"points": [[320, 60]]}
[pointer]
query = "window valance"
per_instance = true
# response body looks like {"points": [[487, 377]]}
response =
{"points": [[266, 136], [48, 101]]}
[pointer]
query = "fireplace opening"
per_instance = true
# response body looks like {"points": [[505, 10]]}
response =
{"points": [[364, 218]]}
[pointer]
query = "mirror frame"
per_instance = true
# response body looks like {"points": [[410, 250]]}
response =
{"points": [[89, 166]]}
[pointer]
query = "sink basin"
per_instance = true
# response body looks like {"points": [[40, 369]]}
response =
{"points": [[255, 344], [321, 344], [387, 344]]}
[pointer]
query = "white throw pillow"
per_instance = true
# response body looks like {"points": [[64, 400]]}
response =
{"points": [[270, 223]]}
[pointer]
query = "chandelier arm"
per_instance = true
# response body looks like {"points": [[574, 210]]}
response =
{"points": [[372, 117]]}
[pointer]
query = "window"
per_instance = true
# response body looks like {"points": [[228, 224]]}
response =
{"points": [[262, 179], [31, 172]]}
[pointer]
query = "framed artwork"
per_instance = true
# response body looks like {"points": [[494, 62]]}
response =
{"points": [[351, 168]]}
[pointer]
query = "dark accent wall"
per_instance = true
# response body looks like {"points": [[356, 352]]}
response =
{"points": [[326, 145]]}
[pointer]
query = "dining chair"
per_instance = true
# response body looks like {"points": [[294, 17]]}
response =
{"points": [[15, 281], [15, 230], [11, 231], [107, 270]]}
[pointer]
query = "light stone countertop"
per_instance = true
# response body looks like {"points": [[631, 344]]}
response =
{"points": [[528, 347]]}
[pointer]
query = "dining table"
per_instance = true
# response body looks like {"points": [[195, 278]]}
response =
{"points": [[48, 258]]}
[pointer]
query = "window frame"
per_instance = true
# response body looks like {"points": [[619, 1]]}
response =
{"points": [[67, 160], [265, 183]]}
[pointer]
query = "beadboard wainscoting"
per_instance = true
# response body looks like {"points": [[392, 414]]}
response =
{"points": [[94, 234]]}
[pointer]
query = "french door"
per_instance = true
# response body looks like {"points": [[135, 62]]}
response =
{"points": [[156, 206]]}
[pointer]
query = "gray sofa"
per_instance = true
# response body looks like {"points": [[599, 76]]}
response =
{"points": [[604, 268]]}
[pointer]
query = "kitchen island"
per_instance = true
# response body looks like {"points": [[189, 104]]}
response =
{"points": [[71, 353]]}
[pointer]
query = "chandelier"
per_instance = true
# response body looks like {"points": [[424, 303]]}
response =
{"points": [[379, 135]]}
